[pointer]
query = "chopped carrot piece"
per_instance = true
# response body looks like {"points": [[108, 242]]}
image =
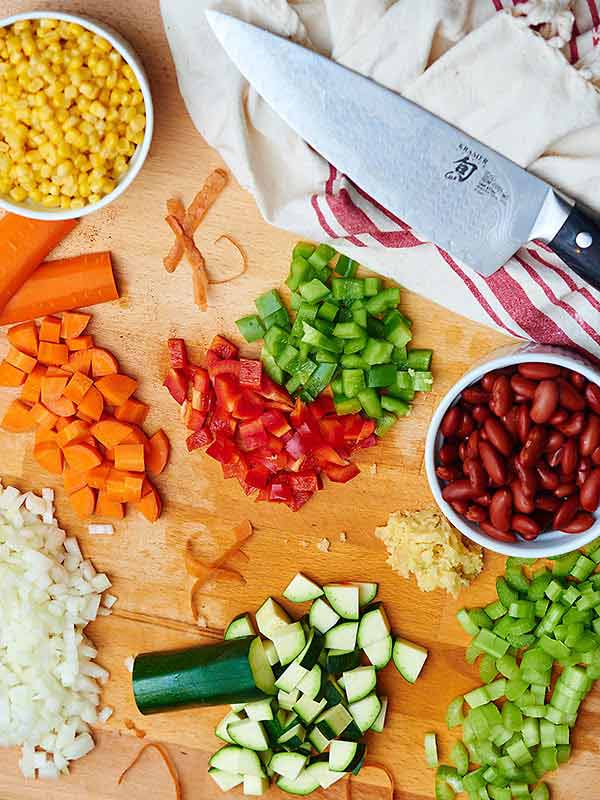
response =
{"points": [[62, 422], [80, 343], [136, 436], [73, 481], [92, 405], [150, 505], [45, 435], [78, 387], [43, 417], [116, 389], [49, 455], [133, 483], [80, 361], [110, 432], [50, 353], [62, 407], [75, 431], [73, 324], [130, 457], [115, 485], [103, 362], [107, 507], [11, 375], [17, 418], [21, 360], [157, 452], [82, 457], [50, 330], [132, 411], [56, 372], [52, 388], [31, 391], [24, 337], [83, 502], [97, 477]]}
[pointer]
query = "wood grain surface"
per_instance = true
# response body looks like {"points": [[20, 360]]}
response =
{"points": [[145, 562]]}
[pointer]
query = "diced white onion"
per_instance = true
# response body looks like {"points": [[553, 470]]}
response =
{"points": [[129, 663], [109, 600], [101, 530], [105, 714]]}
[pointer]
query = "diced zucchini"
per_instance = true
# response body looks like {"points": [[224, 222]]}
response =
{"points": [[249, 734], [270, 617], [352, 733], [326, 777], [291, 677], [365, 711], [359, 682], [301, 589], [367, 592], [374, 626], [254, 786], [334, 721], [232, 758], [221, 729], [312, 684], [409, 659], [322, 616], [288, 699], [242, 625], [260, 667], [345, 756], [312, 650], [292, 738], [431, 752], [307, 709], [342, 660], [289, 642], [275, 727], [306, 783], [333, 692], [260, 710], [379, 723], [342, 636], [380, 653], [318, 741], [288, 764], [343, 598], [225, 780], [270, 652]]}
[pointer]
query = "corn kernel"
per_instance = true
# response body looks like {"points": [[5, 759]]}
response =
{"points": [[138, 123], [98, 110], [35, 195], [18, 194], [50, 202], [88, 89], [94, 198], [115, 58]]}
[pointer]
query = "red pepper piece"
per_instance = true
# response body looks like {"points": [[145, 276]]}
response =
{"points": [[222, 449], [326, 454], [223, 347], [322, 406], [298, 500], [194, 419], [198, 439], [272, 391], [280, 491], [252, 435], [275, 422], [224, 366], [250, 373], [305, 481], [221, 422], [363, 444], [353, 425], [246, 487], [247, 406], [332, 431], [177, 384], [367, 430], [228, 391], [299, 414], [201, 380], [339, 474], [258, 477], [177, 353]]}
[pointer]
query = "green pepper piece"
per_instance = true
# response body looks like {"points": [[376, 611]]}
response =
{"points": [[346, 267], [369, 400], [382, 375], [251, 328], [268, 303], [321, 256], [383, 301], [300, 272], [303, 249], [328, 310], [372, 286], [279, 317], [346, 405], [419, 360], [377, 351], [314, 291]]}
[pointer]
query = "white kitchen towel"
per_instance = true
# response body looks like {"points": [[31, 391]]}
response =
{"points": [[523, 80]]}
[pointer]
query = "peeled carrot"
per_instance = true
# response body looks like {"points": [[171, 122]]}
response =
{"points": [[116, 389], [24, 337], [82, 457], [133, 484], [73, 324], [17, 418], [107, 507], [80, 342], [62, 422], [136, 436], [110, 432], [115, 485], [50, 353], [92, 405], [52, 371], [132, 411], [20, 360], [157, 452], [50, 329], [103, 362], [80, 361], [49, 456], [130, 457], [97, 477], [45, 435], [62, 285], [73, 481], [150, 505], [62, 407], [43, 417], [11, 375], [83, 502], [77, 387], [53, 387], [30, 393], [73, 432], [24, 244]]}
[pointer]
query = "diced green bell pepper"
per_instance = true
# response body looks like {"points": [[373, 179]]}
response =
{"points": [[422, 381], [270, 366], [315, 338], [300, 272], [382, 375], [346, 405], [314, 291], [384, 424], [353, 382], [321, 256], [279, 317], [399, 407], [420, 360], [303, 249], [268, 303], [328, 310], [353, 362], [383, 301], [377, 351], [371, 404], [348, 289], [348, 330], [251, 328], [276, 340], [320, 378], [346, 267], [372, 286], [396, 329]]}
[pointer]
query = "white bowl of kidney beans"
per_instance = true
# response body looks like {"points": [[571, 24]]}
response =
{"points": [[513, 452]]}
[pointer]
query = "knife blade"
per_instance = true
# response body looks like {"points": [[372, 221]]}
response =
{"points": [[455, 191]]}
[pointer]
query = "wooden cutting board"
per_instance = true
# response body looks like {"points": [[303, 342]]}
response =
{"points": [[145, 562]]}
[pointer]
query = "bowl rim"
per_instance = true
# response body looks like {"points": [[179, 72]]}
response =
{"points": [[503, 357], [128, 53]]}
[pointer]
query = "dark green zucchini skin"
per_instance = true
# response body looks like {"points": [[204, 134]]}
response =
{"points": [[208, 675]]}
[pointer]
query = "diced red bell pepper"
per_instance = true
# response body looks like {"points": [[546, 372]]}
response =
{"points": [[279, 491], [326, 454], [224, 366], [263, 456], [210, 359], [228, 391], [263, 495], [246, 487], [221, 422], [363, 444], [367, 430], [247, 406], [192, 369], [223, 347], [198, 439], [272, 391], [275, 422], [322, 406], [222, 449], [275, 406], [202, 401], [332, 431], [339, 474], [201, 380], [305, 481], [298, 500], [177, 384], [194, 419], [252, 435], [352, 425], [258, 477], [298, 415], [236, 468], [296, 446], [177, 353], [250, 373]]}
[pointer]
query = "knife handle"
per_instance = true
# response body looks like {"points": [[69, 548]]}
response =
{"points": [[578, 244]]}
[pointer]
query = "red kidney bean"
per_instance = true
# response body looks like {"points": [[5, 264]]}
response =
{"points": [[578, 380], [534, 446], [502, 397], [565, 489], [555, 458], [547, 478], [448, 453], [574, 425], [570, 398], [476, 513], [596, 456], [466, 427], [493, 462], [523, 425], [522, 502], [451, 421], [592, 395], [476, 474], [544, 519], [583, 470], [547, 502], [569, 457], [475, 395], [480, 413], [523, 386], [510, 420], [487, 381], [498, 435], [527, 476], [501, 509], [484, 500], [545, 401], [590, 436], [555, 441], [580, 523], [526, 526], [565, 513], [494, 533], [589, 494], [538, 371], [452, 473], [559, 417], [462, 451], [459, 490], [460, 506], [472, 446]]}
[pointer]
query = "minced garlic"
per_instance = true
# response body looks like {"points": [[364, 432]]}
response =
{"points": [[424, 543]]}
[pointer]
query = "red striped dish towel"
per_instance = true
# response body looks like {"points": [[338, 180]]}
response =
{"points": [[521, 76]]}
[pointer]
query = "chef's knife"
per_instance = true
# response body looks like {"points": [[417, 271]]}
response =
{"points": [[458, 193]]}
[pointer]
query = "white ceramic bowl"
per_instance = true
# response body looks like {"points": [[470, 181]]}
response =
{"points": [[552, 543], [36, 211]]}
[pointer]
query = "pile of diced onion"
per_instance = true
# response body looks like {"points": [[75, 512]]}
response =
{"points": [[49, 683]]}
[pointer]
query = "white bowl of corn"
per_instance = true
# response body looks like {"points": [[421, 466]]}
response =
{"points": [[76, 115]]}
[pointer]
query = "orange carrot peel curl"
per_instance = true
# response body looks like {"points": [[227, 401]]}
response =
{"points": [[195, 259], [242, 253], [164, 754]]}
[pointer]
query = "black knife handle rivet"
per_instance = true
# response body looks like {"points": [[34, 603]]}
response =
{"points": [[578, 244]]}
